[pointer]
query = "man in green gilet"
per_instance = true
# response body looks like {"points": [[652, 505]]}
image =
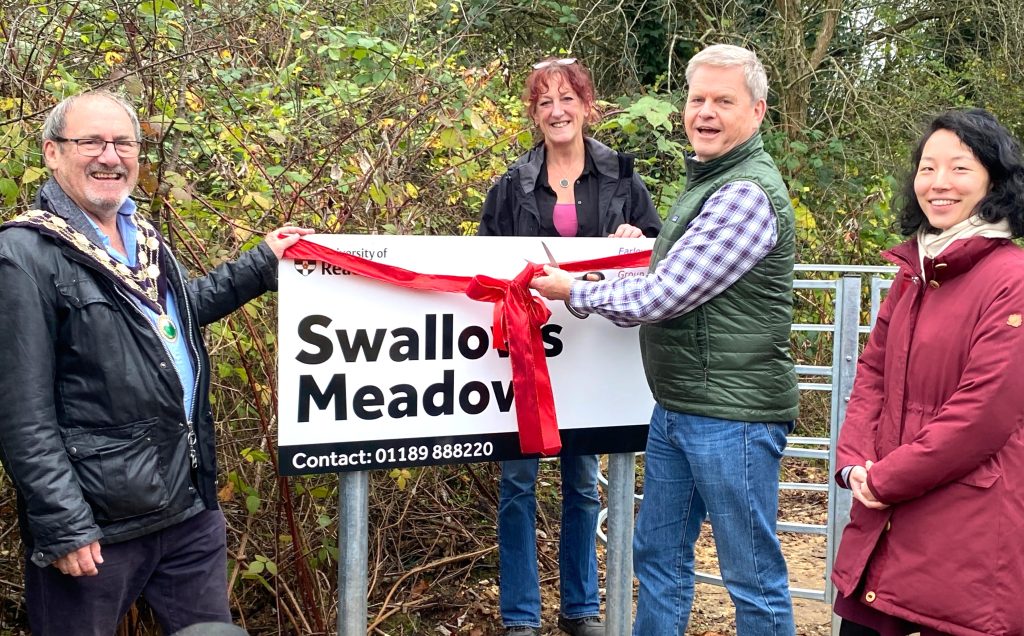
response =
{"points": [[716, 311]]}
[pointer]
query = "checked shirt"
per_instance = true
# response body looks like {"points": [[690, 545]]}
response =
{"points": [[735, 229]]}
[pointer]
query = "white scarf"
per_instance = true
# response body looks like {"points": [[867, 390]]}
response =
{"points": [[931, 245]]}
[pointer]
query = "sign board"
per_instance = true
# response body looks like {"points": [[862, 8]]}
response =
{"points": [[373, 375]]}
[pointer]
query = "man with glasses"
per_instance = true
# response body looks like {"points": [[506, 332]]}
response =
{"points": [[107, 431]]}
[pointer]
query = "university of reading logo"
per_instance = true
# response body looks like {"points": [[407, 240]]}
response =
{"points": [[305, 267]]}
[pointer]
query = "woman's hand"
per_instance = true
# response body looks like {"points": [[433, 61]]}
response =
{"points": [[859, 486], [627, 231]]}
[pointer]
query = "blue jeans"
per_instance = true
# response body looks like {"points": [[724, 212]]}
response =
{"points": [[697, 466], [517, 541]]}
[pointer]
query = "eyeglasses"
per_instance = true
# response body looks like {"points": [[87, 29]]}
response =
{"points": [[565, 61], [96, 147]]}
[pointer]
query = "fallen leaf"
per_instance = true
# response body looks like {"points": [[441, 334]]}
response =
{"points": [[226, 493]]}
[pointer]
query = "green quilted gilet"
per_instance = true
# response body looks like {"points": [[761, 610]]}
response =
{"points": [[729, 358]]}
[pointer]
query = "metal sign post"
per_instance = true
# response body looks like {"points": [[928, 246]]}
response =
{"points": [[353, 551], [619, 554]]}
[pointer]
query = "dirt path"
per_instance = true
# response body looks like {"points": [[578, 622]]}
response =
{"points": [[712, 613], [805, 555]]}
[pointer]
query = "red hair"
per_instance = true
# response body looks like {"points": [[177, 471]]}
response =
{"points": [[575, 75]]}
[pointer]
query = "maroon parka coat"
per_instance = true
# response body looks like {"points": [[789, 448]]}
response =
{"points": [[938, 405]]}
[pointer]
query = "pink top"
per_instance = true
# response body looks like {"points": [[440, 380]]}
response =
{"points": [[564, 218]]}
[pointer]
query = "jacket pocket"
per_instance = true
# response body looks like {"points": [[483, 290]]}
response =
{"points": [[703, 334], [983, 476], [81, 292], [119, 469]]}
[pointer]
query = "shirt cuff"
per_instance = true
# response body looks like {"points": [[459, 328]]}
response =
{"points": [[844, 476], [578, 296]]}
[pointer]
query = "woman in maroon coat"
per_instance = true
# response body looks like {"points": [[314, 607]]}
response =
{"points": [[933, 444]]}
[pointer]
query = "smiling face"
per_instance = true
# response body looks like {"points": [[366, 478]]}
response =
{"points": [[560, 114], [720, 111], [99, 185], [950, 181]]}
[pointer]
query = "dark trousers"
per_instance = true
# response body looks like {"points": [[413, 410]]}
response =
{"points": [[181, 571], [849, 628]]}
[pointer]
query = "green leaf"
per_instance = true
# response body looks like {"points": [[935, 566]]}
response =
{"points": [[449, 138], [377, 194], [252, 504], [262, 200], [8, 191], [156, 7], [31, 175], [176, 180], [253, 455]]}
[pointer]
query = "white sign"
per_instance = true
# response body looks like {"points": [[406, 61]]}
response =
{"points": [[373, 375]]}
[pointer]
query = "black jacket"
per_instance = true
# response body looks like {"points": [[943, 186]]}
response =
{"points": [[93, 432], [511, 209]]}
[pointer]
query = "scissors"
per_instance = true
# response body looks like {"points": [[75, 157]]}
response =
{"points": [[587, 276]]}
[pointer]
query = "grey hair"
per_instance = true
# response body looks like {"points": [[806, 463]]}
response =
{"points": [[57, 120], [726, 55]]}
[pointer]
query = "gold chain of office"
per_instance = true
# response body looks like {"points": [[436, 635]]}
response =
{"points": [[142, 280]]}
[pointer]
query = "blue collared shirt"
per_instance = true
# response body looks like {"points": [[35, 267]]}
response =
{"points": [[178, 350]]}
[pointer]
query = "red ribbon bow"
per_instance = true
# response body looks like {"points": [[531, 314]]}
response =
{"points": [[518, 317]]}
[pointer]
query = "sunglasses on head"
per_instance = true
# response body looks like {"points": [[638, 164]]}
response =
{"points": [[565, 61]]}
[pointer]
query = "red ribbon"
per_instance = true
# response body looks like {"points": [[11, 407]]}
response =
{"points": [[518, 317]]}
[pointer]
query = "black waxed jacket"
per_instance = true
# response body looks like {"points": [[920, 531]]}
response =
{"points": [[94, 433], [511, 209]]}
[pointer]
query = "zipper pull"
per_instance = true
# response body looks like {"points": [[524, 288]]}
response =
{"points": [[192, 445]]}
